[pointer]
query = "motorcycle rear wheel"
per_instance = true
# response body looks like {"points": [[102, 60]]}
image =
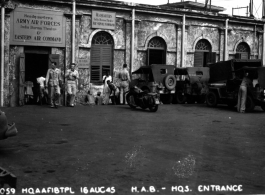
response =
{"points": [[129, 98]]}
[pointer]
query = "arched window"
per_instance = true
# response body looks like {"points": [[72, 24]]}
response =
{"points": [[203, 53], [157, 42], [102, 38], [242, 51], [101, 56], [203, 45], [156, 52]]}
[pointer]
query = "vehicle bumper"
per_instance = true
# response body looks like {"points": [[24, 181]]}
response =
{"points": [[166, 92]]}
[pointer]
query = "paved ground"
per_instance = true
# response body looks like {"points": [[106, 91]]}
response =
{"points": [[114, 146]]}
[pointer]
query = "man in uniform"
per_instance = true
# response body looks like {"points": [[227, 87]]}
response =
{"points": [[53, 78], [124, 85], [72, 79]]}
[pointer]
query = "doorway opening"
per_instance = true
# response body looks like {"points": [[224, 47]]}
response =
{"points": [[36, 65], [156, 52], [156, 56]]}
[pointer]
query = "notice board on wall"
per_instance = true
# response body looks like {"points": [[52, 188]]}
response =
{"points": [[37, 27], [103, 20]]}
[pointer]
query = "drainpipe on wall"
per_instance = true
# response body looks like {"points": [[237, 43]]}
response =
{"points": [[225, 45], [263, 46], [263, 9], [254, 42], [73, 32], [132, 42], [2, 54], [183, 40]]}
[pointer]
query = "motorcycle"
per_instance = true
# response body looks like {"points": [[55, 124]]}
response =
{"points": [[137, 97]]}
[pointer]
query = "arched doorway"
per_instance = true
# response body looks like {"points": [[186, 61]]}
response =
{"points": [[101, 56], [156, 52], [203, 54], [242, 51]]}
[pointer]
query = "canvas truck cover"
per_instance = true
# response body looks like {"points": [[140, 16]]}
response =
{"points": [[196, 74], [222, 71], [159, 71]]}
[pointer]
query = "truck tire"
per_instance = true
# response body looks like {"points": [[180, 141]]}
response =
{"points": [[170, 82], [250, 105], [211, 99], [181, 97]]}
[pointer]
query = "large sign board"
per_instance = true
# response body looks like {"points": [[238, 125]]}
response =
{"points": [[37, 27], [103, 20]]}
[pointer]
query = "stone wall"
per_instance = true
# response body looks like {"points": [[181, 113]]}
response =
{"points": [[147, 26]]}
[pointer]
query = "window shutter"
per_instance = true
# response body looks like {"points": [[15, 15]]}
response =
{"points": [[101, 61], [106, 59], [95, 63], [198, 59], [244, 56], [238, 56]]}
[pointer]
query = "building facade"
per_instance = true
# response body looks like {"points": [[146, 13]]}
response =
{"points": [[101, 36]]}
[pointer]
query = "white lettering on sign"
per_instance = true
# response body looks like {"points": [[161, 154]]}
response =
{"points": [[103, 20], [37, 27]]}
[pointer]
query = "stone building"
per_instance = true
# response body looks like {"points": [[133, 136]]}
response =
{"points": [[102, 35]]}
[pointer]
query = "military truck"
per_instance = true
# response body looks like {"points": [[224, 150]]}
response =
{"points": [[192, 84], [225, 80], [156, 78]]}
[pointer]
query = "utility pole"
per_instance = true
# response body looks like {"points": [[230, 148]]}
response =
{"points": [[263, 9], [251, 10], [206, 4]]}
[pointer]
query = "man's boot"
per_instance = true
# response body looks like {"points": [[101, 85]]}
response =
{"points": [[72, 99], [68, 99]]}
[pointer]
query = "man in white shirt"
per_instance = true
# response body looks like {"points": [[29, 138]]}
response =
{"points": [[41, 81], [124, 85], [72, 79], [53, 78]]}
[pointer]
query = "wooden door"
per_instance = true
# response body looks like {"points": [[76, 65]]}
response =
{"points": [[22, 80]]}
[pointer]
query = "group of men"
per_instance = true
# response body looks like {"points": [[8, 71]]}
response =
{"points": [[110, 90], [54, 83]]}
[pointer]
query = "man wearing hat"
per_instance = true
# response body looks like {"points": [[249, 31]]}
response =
{"points": [[72, 79]]}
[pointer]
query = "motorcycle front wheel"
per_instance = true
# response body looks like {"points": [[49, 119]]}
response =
{"points": [[153, 108]]}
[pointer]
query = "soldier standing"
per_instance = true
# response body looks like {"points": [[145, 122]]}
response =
{"points": [[124, 85], [53, 78], [71, 77]]}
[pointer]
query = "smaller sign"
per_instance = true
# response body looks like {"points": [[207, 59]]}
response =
{"points": [[83, 63], [103, 20]]}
